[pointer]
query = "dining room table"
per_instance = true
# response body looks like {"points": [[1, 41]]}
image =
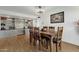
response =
{"points": [[49, 34]]}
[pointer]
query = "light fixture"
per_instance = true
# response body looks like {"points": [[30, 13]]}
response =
{"points": [[39, 10], [38, 16]]}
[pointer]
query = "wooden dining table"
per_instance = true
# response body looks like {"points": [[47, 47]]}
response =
{"points": [[52, 35], [49, 34]]}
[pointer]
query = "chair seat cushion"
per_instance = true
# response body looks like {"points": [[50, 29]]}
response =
{"points": [[55, 40]]}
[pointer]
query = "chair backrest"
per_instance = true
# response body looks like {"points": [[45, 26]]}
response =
{"points": [[36, 33], [45, 28], [52, 29], [59, 32]]}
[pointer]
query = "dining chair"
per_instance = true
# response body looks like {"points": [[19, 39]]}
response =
{"points": [[57, 40], [45, 40], [37, 37], [45, 28], [31, 34], [51, 29]]}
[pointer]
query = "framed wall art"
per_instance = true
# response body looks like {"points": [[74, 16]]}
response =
{"points": [[57, 17]]}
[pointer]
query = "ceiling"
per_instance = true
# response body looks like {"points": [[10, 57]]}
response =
{"points": [[28, 10]]}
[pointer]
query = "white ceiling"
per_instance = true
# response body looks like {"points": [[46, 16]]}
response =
{"points": [[28, 10]]}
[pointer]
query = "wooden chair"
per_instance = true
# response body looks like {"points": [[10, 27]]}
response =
{"points": [[52, 29], [45, 28], [45, 39], [31, 34], [57, 40], [37, 36]]}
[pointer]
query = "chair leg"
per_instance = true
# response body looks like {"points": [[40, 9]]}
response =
{"points": [[46, 44], [56, 47], [30, 40], [39, 44], [60, 47], [34, 43], [50, 46]]}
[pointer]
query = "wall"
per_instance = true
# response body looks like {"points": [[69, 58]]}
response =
{"points": [[37, 22], [71, 14]]}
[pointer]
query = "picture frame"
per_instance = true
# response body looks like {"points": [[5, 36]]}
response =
{"points": [[57, 17]]}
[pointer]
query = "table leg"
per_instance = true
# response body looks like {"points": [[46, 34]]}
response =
{"points": [[50, 45]]}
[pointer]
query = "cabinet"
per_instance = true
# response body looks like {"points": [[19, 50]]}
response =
{"points": [[7, 23]]}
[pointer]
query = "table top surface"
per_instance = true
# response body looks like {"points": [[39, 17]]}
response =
{"points": [[48, 33]]}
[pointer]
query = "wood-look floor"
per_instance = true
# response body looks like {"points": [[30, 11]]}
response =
{"points": [[21, 44]]}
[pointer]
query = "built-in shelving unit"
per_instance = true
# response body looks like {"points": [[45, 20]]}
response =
{"points": [[7, 23], [12, 26]]}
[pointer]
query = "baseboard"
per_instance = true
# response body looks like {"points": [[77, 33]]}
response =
{"points": [[70, 43]]}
